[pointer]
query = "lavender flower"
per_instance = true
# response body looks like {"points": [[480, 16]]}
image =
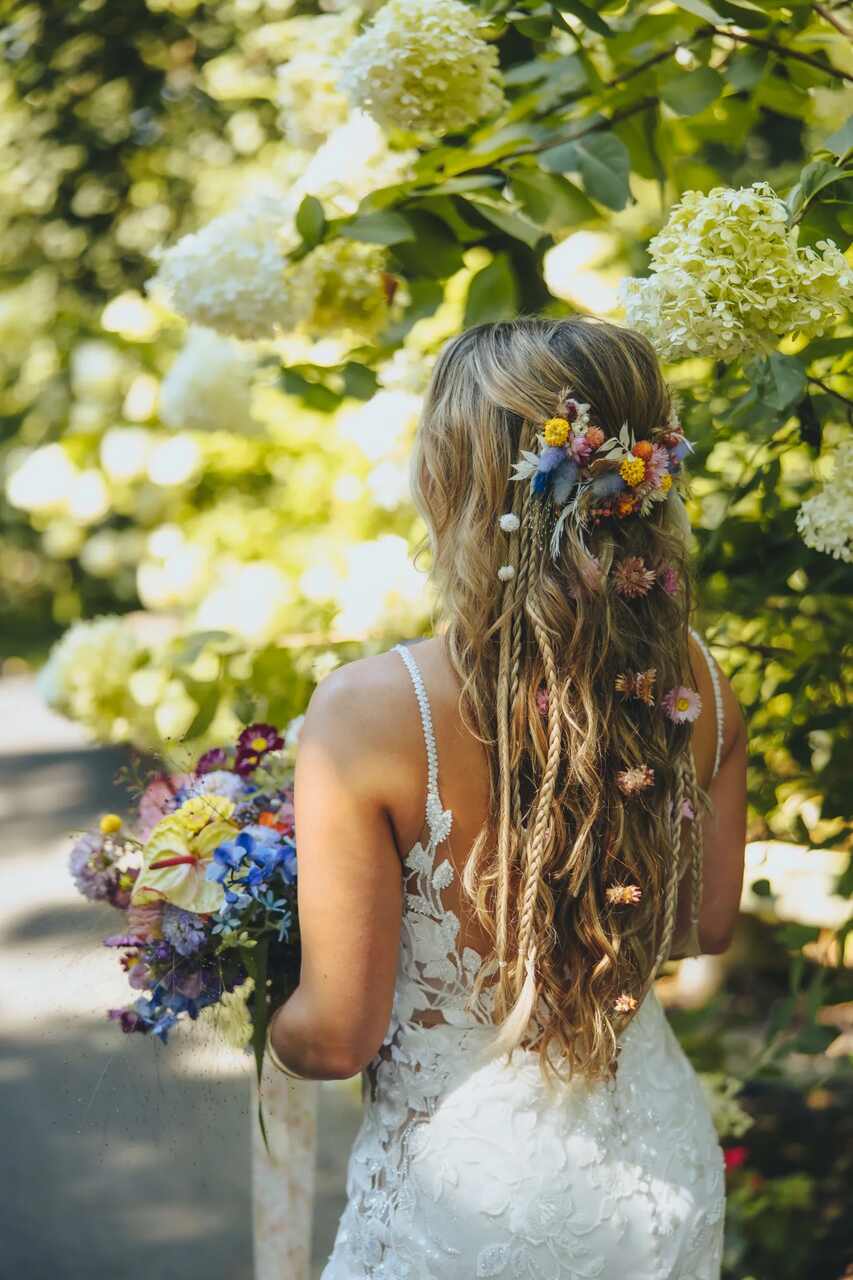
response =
{"points": [[92, 868], [185, 930]]}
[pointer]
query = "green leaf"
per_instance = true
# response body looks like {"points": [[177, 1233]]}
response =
{"points": [[197, 641], [795, 936], [435, 250], [256, 961], [784, 381], [514, 224], [245, 706], [841, 142], [360, 382], [310, 221], [701, 10], [743, 15], [602, 161], [815, 177], [691, 93], [590, 19], [386, 227], [312, 394], [466, 182], [551, 200], [746, 68], [208, 697], [492, 293]]}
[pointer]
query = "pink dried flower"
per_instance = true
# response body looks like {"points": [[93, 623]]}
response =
{"points": [[687, 810], [624, 894], [625, 1003], [682, 705], [657, 465], [580, 449], [632, 577], [631, 781], [542, 700], [669, 579]]}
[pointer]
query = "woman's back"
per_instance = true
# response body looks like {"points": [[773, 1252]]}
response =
{"points": [[469, 1165]]}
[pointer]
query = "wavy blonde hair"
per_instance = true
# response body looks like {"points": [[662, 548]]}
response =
{"points": [[569, 964]]}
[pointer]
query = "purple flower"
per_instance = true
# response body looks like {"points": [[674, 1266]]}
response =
{"points": [[129, 1018], [185, 930], [253, 744], [213, 759], [92, 868]]}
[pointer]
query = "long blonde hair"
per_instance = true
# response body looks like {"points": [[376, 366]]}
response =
{"points": [[538, 656]]}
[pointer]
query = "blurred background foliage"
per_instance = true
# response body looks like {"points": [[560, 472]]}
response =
{"points": [[240, 523]]}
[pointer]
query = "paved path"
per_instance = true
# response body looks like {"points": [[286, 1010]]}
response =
{"points": [[120, 1159]]}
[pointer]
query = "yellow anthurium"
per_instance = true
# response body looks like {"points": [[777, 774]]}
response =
{"points": [[178, 853]]}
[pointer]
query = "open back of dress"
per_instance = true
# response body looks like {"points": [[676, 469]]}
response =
{"points": [[468, 1166]]}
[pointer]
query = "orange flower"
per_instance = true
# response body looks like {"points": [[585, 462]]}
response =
{"points": [[642, 449], [595, 436]]}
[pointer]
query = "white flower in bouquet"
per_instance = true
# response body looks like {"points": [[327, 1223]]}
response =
{"points": [[312, 103], [209, 385], [353, 289], [353, 161], [825, 521], [423, 65], [233, 276], [728, 277], [86, 676], [229, 1019]]}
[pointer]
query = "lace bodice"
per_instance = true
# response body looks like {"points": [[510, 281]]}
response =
{"points": [[466, 1166]]}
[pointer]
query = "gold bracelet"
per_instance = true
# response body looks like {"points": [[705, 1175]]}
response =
{"points": [[277, 1062]]}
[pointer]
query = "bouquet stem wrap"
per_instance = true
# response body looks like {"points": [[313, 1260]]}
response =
{"points": [[283, 1174]]}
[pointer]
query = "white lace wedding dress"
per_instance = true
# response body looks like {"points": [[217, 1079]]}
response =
{"points": [[467, 1168]]}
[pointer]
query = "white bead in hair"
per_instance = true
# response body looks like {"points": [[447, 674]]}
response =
{"points": [[509, 522], [506, 572]]}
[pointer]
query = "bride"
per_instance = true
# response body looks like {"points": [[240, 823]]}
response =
{"points": [[505, 831]]}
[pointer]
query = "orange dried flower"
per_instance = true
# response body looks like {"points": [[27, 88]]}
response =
{"points": [[595, 436], [638, 684], [624, 894], [642, 449]]}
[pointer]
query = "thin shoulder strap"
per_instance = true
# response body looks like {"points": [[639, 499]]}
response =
{"points": [[438, 819], [718, 696]]}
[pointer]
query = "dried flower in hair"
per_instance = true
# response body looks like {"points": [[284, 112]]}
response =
{"points": [[669, 579], [506, 572], [632, 577], [632, 471], [687, 810], [638, 684], [682, 705], [624, 894], [509, 522], [556, 432], [542, 700], [625, 1003], [631, 781]]}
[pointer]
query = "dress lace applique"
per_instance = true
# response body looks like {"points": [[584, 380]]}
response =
{"points": [[467, 1166]]}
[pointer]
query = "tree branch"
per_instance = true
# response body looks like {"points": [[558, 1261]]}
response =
{"points": [[831, 18], [760, 43], [829, 391]]}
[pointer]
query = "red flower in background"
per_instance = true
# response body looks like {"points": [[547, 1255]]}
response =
{"points": [[734, 1157]]}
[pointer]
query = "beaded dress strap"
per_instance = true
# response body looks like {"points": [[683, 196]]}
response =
{"points": [[438, 819], [718, 696]]}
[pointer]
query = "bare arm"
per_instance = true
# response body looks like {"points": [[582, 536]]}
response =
{"points": [[350, 893], [724, 835]]}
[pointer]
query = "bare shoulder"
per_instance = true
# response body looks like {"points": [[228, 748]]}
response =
{"points": [[363, 710]]}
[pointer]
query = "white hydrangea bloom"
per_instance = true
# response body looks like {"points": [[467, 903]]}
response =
{"points": [[311, 100], [353, 161], [232, 275], [353, 290], [423, 65], [728, 277], [825, 522], [86, 676], [730, 1119], [209, 385]]}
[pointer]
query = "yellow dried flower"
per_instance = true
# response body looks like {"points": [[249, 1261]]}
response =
{"points": [[633, 471], [556, 432], [665, 482], [109, 824]]}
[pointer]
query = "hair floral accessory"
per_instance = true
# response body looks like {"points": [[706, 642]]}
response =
{"points": [[632, 781], [637, 684], [587, 477], [623, 895]]}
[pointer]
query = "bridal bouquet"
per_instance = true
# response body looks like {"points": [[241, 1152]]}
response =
{"points": [[204, 875]]}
